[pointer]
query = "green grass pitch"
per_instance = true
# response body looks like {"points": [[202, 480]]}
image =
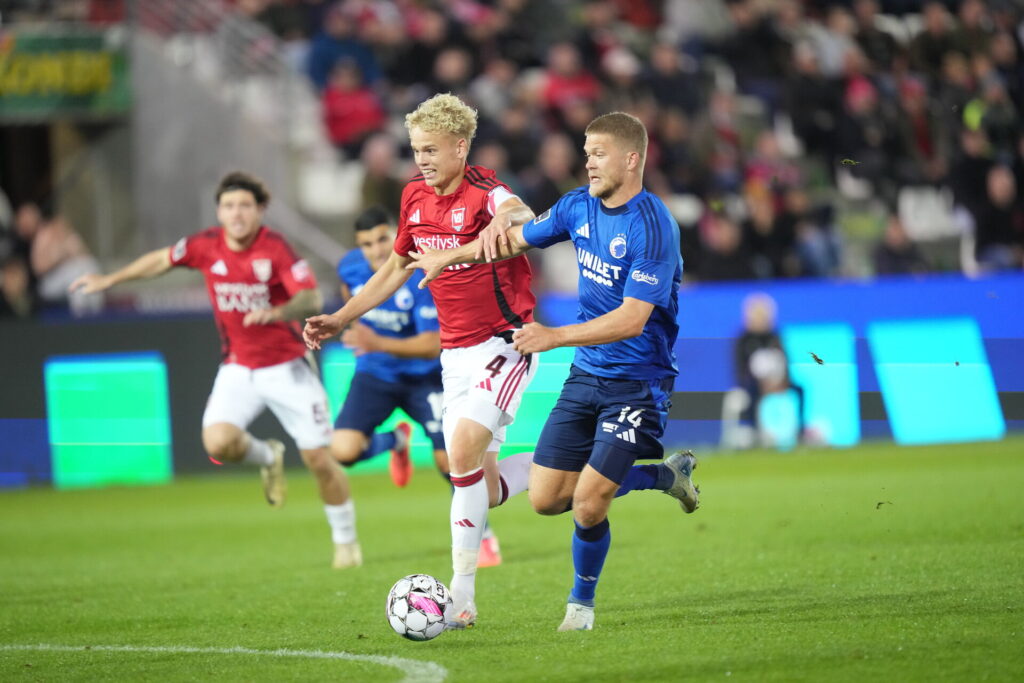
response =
{"points": [[870, 564]]}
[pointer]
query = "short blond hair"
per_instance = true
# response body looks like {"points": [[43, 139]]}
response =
{"points": [[624, 127], [444, 113]]}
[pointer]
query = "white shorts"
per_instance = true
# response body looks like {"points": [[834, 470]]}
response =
{"points": [[484, 383], [291, 390]]}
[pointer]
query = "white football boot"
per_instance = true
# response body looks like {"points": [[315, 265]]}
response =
{"points": [[682, 464], [577, 618]]}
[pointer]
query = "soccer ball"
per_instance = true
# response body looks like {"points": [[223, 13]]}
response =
{"points": [[417, 606]]}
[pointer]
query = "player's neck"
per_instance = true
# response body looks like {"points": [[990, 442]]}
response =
{"points": [[622, 195], [240, 245]]}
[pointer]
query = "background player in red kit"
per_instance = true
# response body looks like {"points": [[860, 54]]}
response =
{"points": [[478, 306], [259, 290]]}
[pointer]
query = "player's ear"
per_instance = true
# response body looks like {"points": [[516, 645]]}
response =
{"points": [[462, 148]]}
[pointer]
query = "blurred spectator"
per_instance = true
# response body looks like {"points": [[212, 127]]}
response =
{"points": [[338, 41], [382, 184], [491, 91], [1005, 53], [878, 46], [566, 81], [17, 299], [835, 40], [724, 256], [757, 53], [924, 148], [895, 253], [553, 175], [453, 69], [813, 103], [968, 177], [671, 85], [351, 110], [936, 38], [974, 30], [867, 139], [519, 136], [493, 155], [430, 32], [769, 237], [768, 167], [994, 113], [999, 223], [817, 240], [58, 258]]}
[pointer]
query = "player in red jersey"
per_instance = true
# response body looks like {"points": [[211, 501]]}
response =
{"points": [[478, 306], [259, 290]]}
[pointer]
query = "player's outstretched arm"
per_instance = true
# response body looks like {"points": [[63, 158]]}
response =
{"points": [[494, 241], [434, 261], [625, 322], [363, 339], [151, 264], [304, 303], [384, 283]]}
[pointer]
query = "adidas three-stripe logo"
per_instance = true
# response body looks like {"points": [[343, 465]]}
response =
{"points": [[466, 523], [628, 435]]}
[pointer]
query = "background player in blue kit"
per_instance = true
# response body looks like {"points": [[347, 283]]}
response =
{"points": [[397, 347], [614, 405]]}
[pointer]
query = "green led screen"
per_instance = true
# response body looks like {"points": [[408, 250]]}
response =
{"points": [[339, 365], [108, 419]]}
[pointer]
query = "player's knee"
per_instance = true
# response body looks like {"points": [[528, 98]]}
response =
{"points": [[462, 461], [344, 450], [224, 444], [588, 512], [544, 504]]}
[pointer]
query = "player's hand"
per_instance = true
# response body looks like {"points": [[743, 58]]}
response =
{"points": [[534, 338], [90, 283], [261, 316], [319, 328], [432, 262], [491, 240], [360, 338]]}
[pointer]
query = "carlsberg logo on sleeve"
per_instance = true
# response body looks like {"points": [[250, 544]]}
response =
{"points": [[644, 277]]}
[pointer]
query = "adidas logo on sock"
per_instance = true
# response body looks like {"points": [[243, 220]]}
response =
{"points": [[465, 523], [628, 435], [485, 384]]}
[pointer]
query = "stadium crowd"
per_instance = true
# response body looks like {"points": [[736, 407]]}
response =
{"points": [[790, 138]]}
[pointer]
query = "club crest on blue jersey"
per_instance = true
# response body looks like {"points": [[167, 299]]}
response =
{"points": [[403, 299], [543, 217], [617, 247]]}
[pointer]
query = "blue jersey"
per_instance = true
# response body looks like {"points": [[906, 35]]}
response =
{"points": [[409, 312], [631, 250]]}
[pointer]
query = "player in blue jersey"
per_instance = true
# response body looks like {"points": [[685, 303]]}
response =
{"points": [[614, 405], [397, 346]]}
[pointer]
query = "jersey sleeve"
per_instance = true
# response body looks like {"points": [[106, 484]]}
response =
{"points": [[655, 259], [403, 239], [424, 310], [188, 252], [550, 227], [294, 272], [498, 196]]}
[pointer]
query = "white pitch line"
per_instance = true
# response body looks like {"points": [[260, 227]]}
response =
{"points": [[415, 671]]}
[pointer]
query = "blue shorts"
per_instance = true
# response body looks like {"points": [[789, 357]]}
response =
{"points": [[371, 400], [608, 423]]}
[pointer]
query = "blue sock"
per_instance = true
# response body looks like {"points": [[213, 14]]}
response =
{"points": [[379, 443], [640, 478], [589, 548]]}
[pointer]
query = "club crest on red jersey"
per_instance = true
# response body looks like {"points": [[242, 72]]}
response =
{"points": [[262, 269], [459, 218]]}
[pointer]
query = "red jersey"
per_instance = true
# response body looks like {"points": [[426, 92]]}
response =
{"points": [[474, 301], [266, 274]]}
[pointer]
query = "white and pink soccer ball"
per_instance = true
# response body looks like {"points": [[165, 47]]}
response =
{"points": [[417, 606]]}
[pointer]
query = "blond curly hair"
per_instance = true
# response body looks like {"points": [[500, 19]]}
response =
{"points": [[444, 113]]}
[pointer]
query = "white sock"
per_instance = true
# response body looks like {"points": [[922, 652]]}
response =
{"points": [[258, 453], [342, 519], [468, 517], [515, 475]]}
